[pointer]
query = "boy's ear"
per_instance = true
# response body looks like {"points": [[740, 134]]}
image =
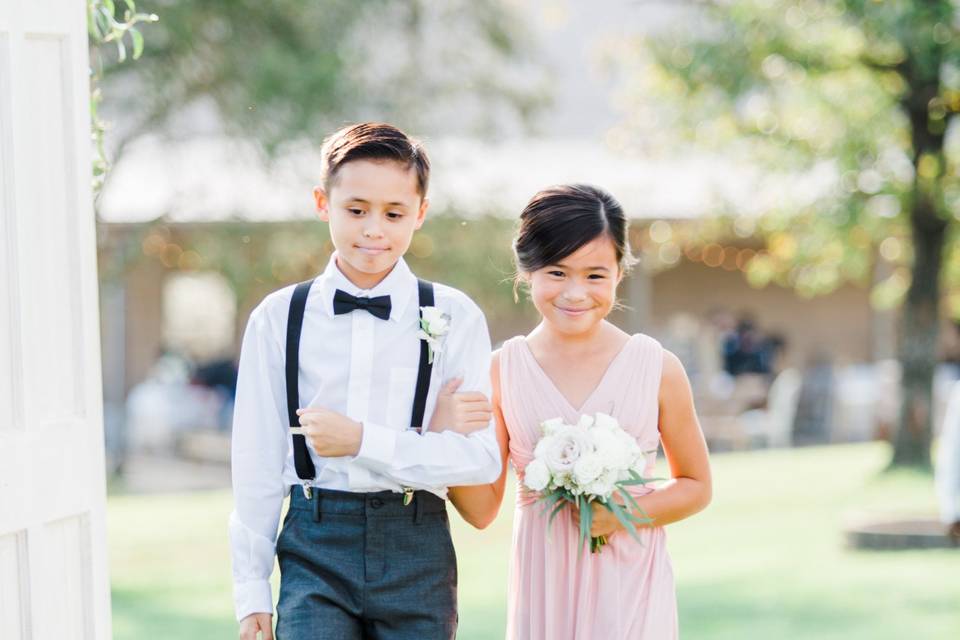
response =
{"points": [[422, 213], [323, 204]]}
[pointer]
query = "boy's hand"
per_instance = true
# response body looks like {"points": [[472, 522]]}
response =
{"points": [[254, 623], [460, 412], [331, 434]]}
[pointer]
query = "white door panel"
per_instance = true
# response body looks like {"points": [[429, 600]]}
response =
{"points": [[53, 566]]}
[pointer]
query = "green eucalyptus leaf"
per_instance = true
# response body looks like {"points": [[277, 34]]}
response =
{"points": [[137, 39]]}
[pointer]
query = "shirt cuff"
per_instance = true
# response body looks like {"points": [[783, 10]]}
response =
{"points": [[377, 446], [252, 596]]}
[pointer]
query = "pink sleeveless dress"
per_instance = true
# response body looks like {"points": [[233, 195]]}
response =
{"points": [[626, 590]]}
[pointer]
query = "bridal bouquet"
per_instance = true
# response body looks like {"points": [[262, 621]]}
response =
{"points": [[591, 461]]}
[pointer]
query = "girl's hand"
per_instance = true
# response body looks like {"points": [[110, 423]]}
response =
{"points": [[331, 434], [604, 523], [257, 623], [460, 412]]}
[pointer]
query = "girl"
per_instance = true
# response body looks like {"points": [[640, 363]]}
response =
{"points": [[571, 252]]}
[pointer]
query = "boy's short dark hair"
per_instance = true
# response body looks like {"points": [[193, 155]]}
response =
{"points": [[373, 141]]}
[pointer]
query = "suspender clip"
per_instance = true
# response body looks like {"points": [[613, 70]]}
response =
{"points": [[407, 495], [307, 491]]}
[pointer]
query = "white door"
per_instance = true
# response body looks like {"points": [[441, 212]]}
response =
{"points": [[53, 564]]}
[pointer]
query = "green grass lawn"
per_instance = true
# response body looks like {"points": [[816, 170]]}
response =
{"points": [[765, 561]]}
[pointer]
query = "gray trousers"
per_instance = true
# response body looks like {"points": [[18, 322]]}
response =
{"points": [[364, 565]]}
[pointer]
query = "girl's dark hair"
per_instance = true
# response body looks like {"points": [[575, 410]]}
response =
{"points": [[559, 220]]}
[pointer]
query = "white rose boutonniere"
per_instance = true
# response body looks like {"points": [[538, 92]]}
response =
{"points": [[434, 325]]}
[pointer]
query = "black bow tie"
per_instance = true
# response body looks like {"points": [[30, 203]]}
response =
{"points": [[343, 302]]}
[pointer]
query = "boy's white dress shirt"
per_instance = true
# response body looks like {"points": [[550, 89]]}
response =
{"points": [[364, 368]]}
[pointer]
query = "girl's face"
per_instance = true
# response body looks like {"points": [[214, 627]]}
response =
{"points": [[578, 292]]}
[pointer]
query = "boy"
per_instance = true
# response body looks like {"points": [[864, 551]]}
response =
{"points": [[336, 376]]}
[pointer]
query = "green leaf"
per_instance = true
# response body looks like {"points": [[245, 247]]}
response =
{"points": [[137, 39], [622, 516], [550, 496], [557, 509], [643, 518], [586, 521], [121, 51], [104, 23], [637, 479], [630, 500]]}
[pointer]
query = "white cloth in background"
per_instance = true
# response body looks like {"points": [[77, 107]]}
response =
{"points": [[948, 460]]}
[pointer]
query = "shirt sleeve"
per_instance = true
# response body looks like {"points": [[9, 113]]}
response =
{"points": [[259, 451], [442, 459]]}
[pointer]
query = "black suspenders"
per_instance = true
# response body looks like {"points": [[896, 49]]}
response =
{"points": [[425, 293], [301, 456]]}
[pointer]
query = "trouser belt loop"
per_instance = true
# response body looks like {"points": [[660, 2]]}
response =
{"points": [[417, 508], [316, 506]]}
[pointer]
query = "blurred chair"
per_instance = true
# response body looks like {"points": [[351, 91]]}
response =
{"points": [[721, 403], [859, 388], [773, 426]]}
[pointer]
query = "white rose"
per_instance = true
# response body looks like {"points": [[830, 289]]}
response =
{"points": [[585, 422], [607, 444], [550, 426], [540, 451], [603, 486], [431, 314], [611, 449], [439, 326], [604, 421], [629, 444], [564, 449], [587, 469], [437, 323], [536, 475]]}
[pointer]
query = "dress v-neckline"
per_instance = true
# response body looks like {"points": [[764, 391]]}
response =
{"points": [[596, 389]]}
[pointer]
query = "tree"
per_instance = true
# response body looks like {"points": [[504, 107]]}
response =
{"points": [[278, 72], [861, 89], [107, 26]]}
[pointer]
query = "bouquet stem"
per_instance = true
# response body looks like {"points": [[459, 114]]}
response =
{"points": [[597, 543]]}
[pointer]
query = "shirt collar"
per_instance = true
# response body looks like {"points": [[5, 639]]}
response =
{"points": [[400, 284]]}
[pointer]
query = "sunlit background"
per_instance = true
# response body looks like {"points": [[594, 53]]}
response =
{"points": [[789, 169]]}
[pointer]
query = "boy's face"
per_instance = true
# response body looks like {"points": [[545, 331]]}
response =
{"points": [[373, 207]]}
